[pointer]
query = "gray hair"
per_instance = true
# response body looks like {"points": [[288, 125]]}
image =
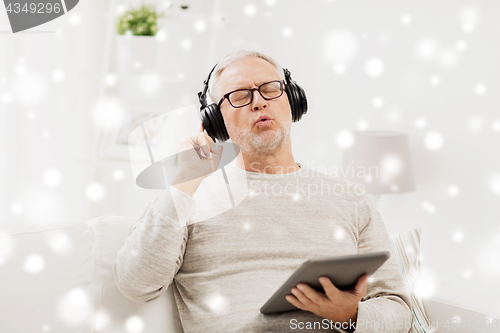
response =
{"points": [[214, 92]]}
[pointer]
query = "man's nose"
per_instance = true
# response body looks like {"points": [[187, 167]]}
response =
{"points": [[258, 101]]}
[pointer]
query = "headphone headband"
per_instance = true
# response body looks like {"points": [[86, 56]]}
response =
{"points": [[202, 96]]}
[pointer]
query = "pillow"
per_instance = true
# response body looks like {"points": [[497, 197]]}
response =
{"points": [[407, 248], [115, 313], [46, 280]]}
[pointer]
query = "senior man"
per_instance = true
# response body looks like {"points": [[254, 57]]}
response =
{"points": [[224, 265]]}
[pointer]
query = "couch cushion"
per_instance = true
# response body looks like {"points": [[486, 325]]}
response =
{"points": [[46, 280], [407, 246], [115, 313]]}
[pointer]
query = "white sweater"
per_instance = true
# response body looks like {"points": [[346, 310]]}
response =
{"points": [[226, 262]]}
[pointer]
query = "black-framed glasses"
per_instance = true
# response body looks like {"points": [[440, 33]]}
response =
{"points": [[242, 97]]}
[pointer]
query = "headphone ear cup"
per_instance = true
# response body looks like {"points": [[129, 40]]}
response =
{"points": [[215, 121], [208, 125], [302, 101], [297, 100]]}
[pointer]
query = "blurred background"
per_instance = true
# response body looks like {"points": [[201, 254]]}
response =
{"points": [[72, 89]]}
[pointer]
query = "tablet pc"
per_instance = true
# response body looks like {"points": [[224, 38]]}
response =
{"points": [[343, 271]]}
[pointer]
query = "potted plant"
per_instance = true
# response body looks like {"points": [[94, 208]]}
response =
{"points": [[136, 42]]}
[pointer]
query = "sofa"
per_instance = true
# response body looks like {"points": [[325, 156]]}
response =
{"points": [[60, 279]]}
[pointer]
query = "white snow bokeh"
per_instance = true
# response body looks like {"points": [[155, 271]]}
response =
{"points": [[340, 46], [108, 113], [469, 16], [363, 124], [102, 321], [34, 263], [495, 125], [435, 80], [339, 68], [250, 9], [134, 324], [453, 190], [58, 75], [488, 254], [287, 32], [118, 175], [75, 19], [425, 287], [457, 236], [16, 208], [186, 43], [378, 102], [420, 123], [42, 205], [110, 79], [60, 243], [200, 25], [161, 35], [390, 168], [427, 48], [30, 88], [428, 207], [449, 58], [344, 139], [480, 89], [95, 191], [406, 19], [374, 67], [494, 183], [339, 234], [75, 306], [150, 83], [434, 140], [217, 303], [52, 177], [6, 247]]}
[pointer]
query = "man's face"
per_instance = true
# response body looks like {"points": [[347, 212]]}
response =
{"points": [[241, 125]]}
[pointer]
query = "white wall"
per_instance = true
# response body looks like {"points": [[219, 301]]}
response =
{"points": [[446, 41]]}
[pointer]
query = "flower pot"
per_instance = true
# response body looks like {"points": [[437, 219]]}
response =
{"points": [[136, 54]]}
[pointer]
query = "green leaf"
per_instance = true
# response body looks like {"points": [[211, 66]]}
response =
{"points": [[141, 21]]}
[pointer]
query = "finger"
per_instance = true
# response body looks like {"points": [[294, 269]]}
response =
{"points": [[205, 139], [330, 290], [201, 142], [211, 142], [362, 285], [295, 302], [312, 294], [219, 150], [216, 157], [302, 298], [212, 163]]}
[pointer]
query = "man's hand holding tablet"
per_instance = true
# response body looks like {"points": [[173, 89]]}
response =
{"points": [[335, 305], [330, 288]]}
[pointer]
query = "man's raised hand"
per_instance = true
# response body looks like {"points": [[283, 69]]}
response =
{"points": [[198, 157]]}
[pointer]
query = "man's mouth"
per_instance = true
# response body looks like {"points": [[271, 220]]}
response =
{"points": [[264, 120]]}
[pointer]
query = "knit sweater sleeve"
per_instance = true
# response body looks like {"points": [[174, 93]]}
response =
{"points": [[386, 306], [153, 253]]}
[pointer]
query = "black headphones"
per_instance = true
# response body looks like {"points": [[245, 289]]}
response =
{"points": [[212, 119]]}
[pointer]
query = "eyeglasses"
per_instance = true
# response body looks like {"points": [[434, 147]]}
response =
{"points": [[242, 97]]}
